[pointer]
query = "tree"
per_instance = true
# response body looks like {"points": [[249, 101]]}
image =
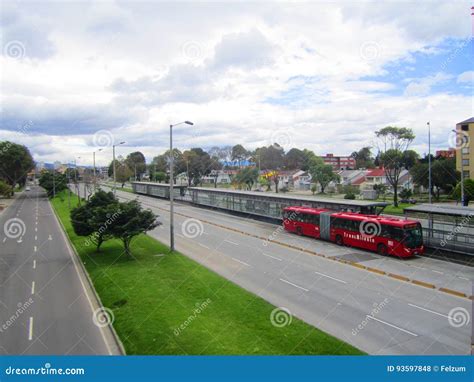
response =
{"points": [[239, 153], [271, 161], [131, 221], [122, 172], [5, 189], [363, 158], [393, 144], [94, 218], [468, 190], [53, 182], [247, 176], [136, 162], [322, 173], [160, 176], [15, 163], [295, 159], [198, 164], [444, 175], [380, 189]]}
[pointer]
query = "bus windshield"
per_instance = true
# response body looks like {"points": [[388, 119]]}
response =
{"points": [[413, 236]]}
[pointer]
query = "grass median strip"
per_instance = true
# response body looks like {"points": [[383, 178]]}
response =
{"points": [[173, 305]]}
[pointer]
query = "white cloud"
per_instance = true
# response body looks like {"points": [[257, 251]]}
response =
{"points": [[239, 71], [466, 77]]}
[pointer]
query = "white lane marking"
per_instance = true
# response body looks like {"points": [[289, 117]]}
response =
{"points": [[33, 287], [414, 266], [30, 330], [330, 277], [50, 238], [393, 326], [204, 246], [428, 310], [181, 236], [241, 262], [36, 237], [230, 242], [34, 264], [4, 239], [435, 271], [36, 229], [296, 286], [463, 278], [35, 248], [273, 257]]}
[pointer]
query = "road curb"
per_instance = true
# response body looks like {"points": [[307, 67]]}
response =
{"points": [[351, 263], [85, 274]]}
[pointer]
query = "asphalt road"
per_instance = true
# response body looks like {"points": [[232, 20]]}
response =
{"points": [[375, 313], [46, 306]]}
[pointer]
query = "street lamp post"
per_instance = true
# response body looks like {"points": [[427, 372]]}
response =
{"points": [[95, 176], [113, 165], [76, 181], [462, 169], [429, 162], [171, 184]]}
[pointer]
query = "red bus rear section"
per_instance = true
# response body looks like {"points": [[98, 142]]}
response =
{"points": [[384, 235]]}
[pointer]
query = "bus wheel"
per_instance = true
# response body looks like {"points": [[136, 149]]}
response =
{"points": [[339, 240], [382, 250], [299, 231]]}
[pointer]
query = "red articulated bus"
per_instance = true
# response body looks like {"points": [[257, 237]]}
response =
{"points": [[384, 235]]}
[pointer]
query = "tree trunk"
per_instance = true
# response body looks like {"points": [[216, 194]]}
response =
{"points": [[126, 247], [395, 196]]}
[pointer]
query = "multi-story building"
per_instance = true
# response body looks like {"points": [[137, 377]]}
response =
{"points": [[339, 163], [448, 154], [464, 154]]}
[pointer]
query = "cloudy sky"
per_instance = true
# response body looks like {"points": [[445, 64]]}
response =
{"points": [[78, 76]]}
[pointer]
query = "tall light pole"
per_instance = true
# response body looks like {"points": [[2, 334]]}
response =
{"points": [[462, 166], [76, 181], [171, 183], [429, 162], [95, 176], [113, 164]]}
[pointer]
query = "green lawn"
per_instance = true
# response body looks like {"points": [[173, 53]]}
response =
{"points": [[151, 297], [392, 210]]}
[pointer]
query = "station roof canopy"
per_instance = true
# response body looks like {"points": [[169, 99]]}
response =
{"points": [[345, 202], [442, 209]]}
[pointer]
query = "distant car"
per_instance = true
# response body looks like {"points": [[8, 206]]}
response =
{"points": [[409, 201], [27, 189]]}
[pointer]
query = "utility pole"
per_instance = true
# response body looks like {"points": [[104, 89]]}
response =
{"points": [[171, 185], [429, 162]]}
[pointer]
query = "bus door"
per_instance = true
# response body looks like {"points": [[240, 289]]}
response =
{"points": [[325, 225]]}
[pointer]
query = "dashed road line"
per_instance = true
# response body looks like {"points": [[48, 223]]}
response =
{"points": [[393, 326], [30, 329], [34, 264], [296, 286], [330, 277], [230, 242], [33, 287], [273, 257], [428, 310], [241, 262], [203, 245]]}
